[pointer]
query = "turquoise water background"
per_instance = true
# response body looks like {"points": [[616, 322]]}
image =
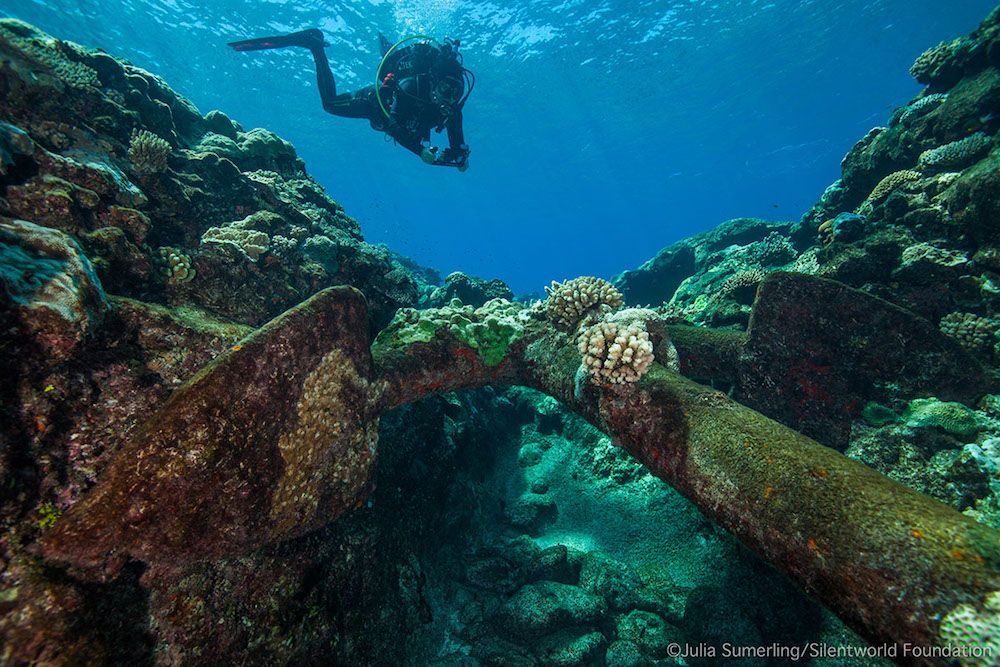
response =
{"points": [[601, 131]]}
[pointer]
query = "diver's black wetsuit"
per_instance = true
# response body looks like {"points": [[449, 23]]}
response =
{"points": [[413, 79]]}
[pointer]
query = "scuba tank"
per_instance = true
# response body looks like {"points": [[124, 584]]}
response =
{"points": [[442, 79]]}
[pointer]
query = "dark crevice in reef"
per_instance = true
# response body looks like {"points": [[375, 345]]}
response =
{"points": [[19, 171], [116, 615], [18, 460]]}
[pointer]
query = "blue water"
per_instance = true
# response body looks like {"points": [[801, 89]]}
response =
{"points": [[601, 130]]}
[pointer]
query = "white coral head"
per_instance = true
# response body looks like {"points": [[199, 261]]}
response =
{"points": [[569, 303], [615, 353]]}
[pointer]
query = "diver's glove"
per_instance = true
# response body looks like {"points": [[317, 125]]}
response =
{"points": [[429, 155]]}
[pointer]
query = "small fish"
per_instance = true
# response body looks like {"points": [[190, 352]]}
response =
{"points": [[983, 121], [47, 389]]}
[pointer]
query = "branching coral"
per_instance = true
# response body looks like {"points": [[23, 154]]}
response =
{"points": [[971, 331], [148, 152], [917, 108], [175, 266], [49, 53], [569, 303], [887, 185], [807, 263], [741, 280], [614, 352], [941, 63], [957, 154]]}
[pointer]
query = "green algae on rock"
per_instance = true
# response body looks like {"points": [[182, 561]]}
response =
{"points": [[490, 330]]}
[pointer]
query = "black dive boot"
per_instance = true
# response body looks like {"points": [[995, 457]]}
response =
{"points": [[308, 39]]}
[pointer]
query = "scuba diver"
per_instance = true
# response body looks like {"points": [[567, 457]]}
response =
{"points": [[420, 87]]}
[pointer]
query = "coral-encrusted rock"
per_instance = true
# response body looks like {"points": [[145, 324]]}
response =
{"points": [[470, 290], [44, 627], [542, 608], [51, 285], [881, 153], [14, 145], [942, 65], [974, 199], [242, 455], [70, 163], [926, 263], [656, 281], [967, 103], [818, 350]]}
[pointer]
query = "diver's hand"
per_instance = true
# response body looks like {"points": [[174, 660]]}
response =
{"points": [[429, 155], [456, 157]]}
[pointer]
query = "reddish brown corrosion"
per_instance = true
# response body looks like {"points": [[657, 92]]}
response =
{"points": [[888, 560], [841, 530]]}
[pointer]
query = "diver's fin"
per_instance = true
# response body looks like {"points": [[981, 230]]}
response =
{"points": [[383, 43], [309, 39]]}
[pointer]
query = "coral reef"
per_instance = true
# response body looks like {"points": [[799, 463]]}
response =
{"points": [[888, 184], [148, 152], [15, 144], [951, 417], [126, 512], [967, 626], [569, 304], [44, 54], [58, 300], [490, 329], [85, 154], [615, 353], [225, 485], [469, 290], [175, 265], [741, 280], [845, 227], [916, 108], [956, 154], [944, 65], [251, 242], [938, 64], [972, 332]]}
